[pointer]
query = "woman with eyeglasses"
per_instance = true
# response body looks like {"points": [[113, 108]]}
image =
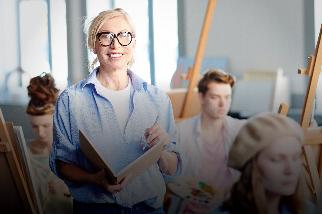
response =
{"points": [[123, 116]]}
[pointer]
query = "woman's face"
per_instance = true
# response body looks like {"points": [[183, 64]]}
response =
{"points": [[280, 165], [43, 127], [115, 56]]}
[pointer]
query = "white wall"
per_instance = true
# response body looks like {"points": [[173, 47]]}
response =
{"points": [[8, 36], [254, 34]]}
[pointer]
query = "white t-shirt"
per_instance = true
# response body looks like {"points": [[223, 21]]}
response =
{"points": [[120, 101]]}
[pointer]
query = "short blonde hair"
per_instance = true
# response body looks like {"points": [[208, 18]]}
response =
{"points": [[97, 23]]}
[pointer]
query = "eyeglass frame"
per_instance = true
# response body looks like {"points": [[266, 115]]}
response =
{"points": [[115, 37]]}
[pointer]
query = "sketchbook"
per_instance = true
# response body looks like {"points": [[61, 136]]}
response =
{"points": [[140, 164]]}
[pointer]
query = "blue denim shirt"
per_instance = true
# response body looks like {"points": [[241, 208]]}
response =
{"points": [[81, 107]]}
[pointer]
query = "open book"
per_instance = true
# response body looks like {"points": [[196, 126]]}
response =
{"points": [[140, 164]]}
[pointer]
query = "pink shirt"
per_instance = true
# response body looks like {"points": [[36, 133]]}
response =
{"points": [[208, 161]]}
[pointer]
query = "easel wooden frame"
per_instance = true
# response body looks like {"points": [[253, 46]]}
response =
{"points": [[193, 74], [313, 136], [18, 185]]}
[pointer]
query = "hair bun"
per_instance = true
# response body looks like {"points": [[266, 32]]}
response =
{"points": [[43, 94]]}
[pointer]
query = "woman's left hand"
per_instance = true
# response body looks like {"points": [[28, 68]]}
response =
{"points": [[156, 134], [168, 160]]}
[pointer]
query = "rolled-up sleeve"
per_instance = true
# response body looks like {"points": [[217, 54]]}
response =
{"points": [[63, 147], [170, 126]]}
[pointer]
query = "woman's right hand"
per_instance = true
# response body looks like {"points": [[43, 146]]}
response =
{"points": [[99, 179], [76, 174]]}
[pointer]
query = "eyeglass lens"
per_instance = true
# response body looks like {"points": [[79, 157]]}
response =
{"points": [[107, 38]]}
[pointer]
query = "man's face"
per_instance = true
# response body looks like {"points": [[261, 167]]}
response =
{"points": [[216, 102]]}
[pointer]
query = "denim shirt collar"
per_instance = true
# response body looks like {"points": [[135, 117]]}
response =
{"points": [[137, 83]]}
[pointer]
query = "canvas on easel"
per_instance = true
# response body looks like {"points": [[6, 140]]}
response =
{"points": [[20, 143], [15, 195]]}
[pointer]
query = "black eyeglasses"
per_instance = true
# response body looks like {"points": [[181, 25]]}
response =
{"points": [[107, 38]]}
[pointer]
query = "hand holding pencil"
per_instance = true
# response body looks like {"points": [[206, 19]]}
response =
{"points": [[155, 134]]}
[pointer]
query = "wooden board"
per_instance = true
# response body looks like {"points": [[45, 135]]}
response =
{"points": [[177, 97], [14, 195], [143, 162], [21, 145]]}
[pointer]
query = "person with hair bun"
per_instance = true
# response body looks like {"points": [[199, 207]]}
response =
{"points": [[53, 192], [43, 95]]}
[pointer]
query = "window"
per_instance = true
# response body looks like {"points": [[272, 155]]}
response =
{"points": [[34, 37], [166, 41], [58, 35], [43, 38], [317, 17], [36, 41]]}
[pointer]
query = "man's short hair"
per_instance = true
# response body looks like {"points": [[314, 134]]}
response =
{"points": [[217, 76]]}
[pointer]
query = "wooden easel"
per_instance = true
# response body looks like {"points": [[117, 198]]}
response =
{"points": [[313, 136], [193, 74], [14, 191]]}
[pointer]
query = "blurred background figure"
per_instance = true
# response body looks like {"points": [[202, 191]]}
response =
{"points": [[53, 193], [267, 152], [205, 139]]}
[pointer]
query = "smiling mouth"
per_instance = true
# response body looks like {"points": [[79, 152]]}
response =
{"points": [[115, 55]]}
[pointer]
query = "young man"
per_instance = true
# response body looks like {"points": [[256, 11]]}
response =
{"points": [[205, 139]]}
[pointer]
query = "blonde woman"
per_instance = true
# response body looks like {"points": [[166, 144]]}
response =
{"points": [[119, 112], [267, 151], [52, 191]]}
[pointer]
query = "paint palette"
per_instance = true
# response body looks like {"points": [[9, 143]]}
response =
{"points": [[185, 190]]}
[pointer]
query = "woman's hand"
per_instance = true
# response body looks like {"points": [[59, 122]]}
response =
{"points": [[156, 134], [76, 174], [168, 160], [99, 179]]}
